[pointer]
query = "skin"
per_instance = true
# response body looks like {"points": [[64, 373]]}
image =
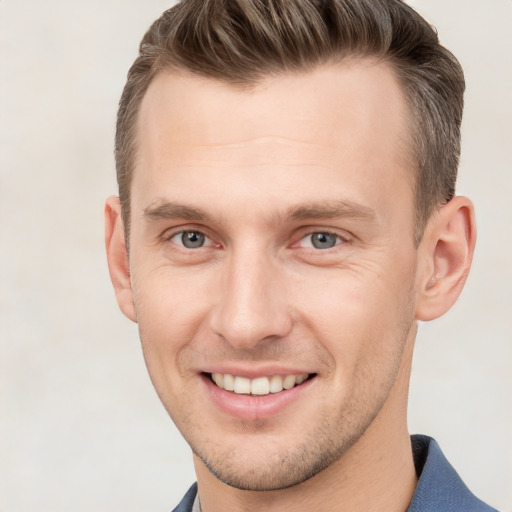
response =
{"points": [[258, 172]]}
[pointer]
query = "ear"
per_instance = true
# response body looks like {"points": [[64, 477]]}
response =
{"points": [[445, 256], [117, 256]]}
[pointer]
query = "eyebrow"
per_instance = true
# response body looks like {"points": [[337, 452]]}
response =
{"points": [[314, 210], [331, 210], [170, 211]]}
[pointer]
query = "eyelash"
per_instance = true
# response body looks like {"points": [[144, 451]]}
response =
{"points": [[340, 240], [168, 236]]}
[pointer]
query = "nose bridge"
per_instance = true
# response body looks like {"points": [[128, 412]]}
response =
{"points": [[252, 305]]}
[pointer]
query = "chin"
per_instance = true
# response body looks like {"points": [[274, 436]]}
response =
{"points": [[264, 477], [276, 468]]}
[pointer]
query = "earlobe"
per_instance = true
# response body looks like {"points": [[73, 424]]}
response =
{"points": [[117, 256], [446, 252]]}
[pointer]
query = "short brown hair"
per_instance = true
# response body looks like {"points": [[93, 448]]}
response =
{"points": [[241, 42]]}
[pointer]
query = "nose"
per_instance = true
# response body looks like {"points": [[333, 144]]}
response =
{"points": [[252, 308]]}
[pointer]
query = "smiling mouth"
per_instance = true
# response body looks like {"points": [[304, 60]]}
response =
{"points": [[258, 386]]}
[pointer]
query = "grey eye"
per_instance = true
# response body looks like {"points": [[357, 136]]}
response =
{"points": [[192, 239], [323, 240]]}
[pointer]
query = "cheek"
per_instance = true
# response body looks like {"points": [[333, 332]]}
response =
{"points": [[171, 310], [170, 299], [357, 314], [341, 302]]}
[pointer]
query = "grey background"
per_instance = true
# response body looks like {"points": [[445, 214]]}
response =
{"points": [[80, 425]]}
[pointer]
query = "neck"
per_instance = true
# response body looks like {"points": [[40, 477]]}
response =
{"points": [[377, 473]]}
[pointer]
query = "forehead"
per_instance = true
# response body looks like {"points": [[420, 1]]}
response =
{"points": [[347, 120]]}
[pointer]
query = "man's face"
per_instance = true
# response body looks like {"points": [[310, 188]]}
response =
{"points": [[272, 238]]}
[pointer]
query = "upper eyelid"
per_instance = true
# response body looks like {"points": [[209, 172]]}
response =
{"points": [[311, 230], [169, 233], [325, 232]]}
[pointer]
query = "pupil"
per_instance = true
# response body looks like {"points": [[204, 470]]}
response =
{"points": [[323, 240], [192, 239]]}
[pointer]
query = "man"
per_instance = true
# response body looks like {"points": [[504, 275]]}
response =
{"points": [[286, 216]]}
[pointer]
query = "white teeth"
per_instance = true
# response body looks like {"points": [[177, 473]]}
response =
{"points": [[276, 384], [242, 385], [218, 378], [289, 381], [259, 385], [229, 382], [301, 378]]}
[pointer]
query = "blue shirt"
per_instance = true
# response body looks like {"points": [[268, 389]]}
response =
{"points": [[439, 488]]}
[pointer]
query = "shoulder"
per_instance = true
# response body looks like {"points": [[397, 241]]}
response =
{"points": [[187, 502], [440, 489]]}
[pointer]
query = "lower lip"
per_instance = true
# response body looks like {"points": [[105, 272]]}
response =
{"points": [[254, 407]]}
